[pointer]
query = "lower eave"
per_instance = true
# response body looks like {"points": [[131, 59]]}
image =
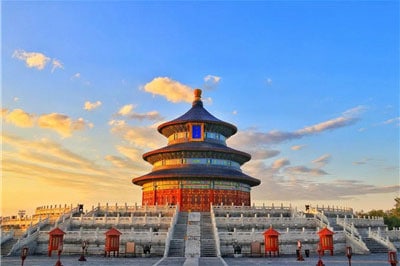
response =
{"points": [[197, 172]]}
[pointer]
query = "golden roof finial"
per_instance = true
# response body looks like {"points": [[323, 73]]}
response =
{"points": [[197, 95]]}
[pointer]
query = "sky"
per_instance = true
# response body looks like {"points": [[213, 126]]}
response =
{"points": [[313, 87]]}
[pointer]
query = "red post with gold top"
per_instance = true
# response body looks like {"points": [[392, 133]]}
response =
{"points": [[326, 240], [271, 242], [56, 237]]}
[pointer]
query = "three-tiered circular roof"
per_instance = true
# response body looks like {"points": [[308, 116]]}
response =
{"points": [[197, 149]]}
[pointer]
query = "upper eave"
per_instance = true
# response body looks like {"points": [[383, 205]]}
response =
{"points": [[197, 114]]}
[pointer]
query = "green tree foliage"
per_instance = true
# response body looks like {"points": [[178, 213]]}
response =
{"points": [[391, 218]]}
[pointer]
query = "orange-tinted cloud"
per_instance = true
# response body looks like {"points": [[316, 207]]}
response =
{"points": [[172, 90], [60, 123], [91, 106], [19, 118], [128, 112], [32, 59]]}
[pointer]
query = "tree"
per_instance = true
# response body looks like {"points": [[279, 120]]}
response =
{"points": [[391, 218]]}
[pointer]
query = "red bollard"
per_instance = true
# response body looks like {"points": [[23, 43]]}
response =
{"points": [[349, 253], [392, 258], [24, 254]]}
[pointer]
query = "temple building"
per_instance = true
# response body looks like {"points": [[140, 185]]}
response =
{"points": [[196, 168], [195, 204]]}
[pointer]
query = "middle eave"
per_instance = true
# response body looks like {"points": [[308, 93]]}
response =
{"points": [[214, 150]]}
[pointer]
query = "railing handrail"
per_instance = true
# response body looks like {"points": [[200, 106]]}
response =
{"points": [[23, 242], [384, 241], [215, 231], [5, 236], [170, 232]]}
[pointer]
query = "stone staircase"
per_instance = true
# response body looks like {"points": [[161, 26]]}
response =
{"points": [[334, 225], [7, 246], [207, 240], [374, 246], [177, 244]]}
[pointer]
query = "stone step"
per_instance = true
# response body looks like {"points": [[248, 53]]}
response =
{"points": [[211, 261], [7, 246], [177, 244], [374, 246], [207, 242], [176, 248], [172, 261]]}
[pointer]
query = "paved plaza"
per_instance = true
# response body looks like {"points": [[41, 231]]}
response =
{"points": [[364, 260]]}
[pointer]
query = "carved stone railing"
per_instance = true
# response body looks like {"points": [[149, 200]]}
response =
{"points": [[36, 227], [278, 222], [215, 231], [377, 236], [5, 236], [323, 220], [353, 236], [117, 220], [364, 222], [133, 209], [170, 232], [218, 209], [29, 241]]}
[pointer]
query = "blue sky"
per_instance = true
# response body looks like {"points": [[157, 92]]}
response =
{"points": [[313, 87]]}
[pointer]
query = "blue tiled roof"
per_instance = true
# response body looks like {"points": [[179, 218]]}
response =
{"points": [[198, 114], [239, 156], [198, 171]]}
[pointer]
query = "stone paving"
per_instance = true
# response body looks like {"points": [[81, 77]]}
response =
{"points": [[362, 260]]}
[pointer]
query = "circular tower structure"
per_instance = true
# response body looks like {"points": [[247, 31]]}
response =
{"points": [[196, 168]]}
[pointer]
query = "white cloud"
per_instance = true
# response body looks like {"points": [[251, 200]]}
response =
{"points": [[362, 161], [303, 170], [279, 163], [56, 64], [253, 138], [395, 121], [76, 76], [297, 147], [172, 90], [125, 110], [91, 106], [211, 82], [262, 154], [143, 137], [128, 112], [322, 160]]}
